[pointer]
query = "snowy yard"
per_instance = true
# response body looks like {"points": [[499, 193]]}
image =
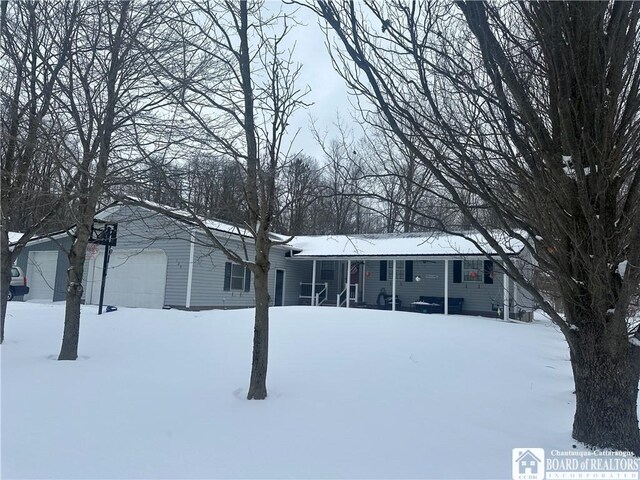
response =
{"points": [[352, 394]]}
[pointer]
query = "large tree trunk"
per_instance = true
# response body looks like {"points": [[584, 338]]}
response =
{"points": [[71, 336], [258, 383], [606, 387]]}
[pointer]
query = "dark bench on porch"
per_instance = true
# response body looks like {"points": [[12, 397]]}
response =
{"points": [[436, 305]]}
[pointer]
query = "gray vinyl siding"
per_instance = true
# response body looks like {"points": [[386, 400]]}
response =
{"points": [[303, 273], [207, 288], [297, 272], [278, 261], [478, 297], [140, 229], [62, 246], [526, 264]]}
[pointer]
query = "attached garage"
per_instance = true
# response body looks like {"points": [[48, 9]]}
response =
{"points": [[135, 278], [41, 274]]}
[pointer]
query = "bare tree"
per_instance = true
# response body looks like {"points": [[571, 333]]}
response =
{"points": [[104, 91], [35, 44], [234, 83], [298, 190], [214, 187], [535, 120], [342, 175], [398, 181]]}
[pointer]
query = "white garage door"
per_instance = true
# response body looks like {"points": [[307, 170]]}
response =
{"points": [[41, 275], [134, 279]]}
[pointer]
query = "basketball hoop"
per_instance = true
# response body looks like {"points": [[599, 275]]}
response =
{"points": [[92, 250]]}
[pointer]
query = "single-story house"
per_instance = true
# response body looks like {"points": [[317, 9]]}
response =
{"points": [[418, 271], [168, 262]]}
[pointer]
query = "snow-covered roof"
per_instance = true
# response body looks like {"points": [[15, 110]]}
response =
{"points": [[178, 214], [186, 216], [400, 244]]}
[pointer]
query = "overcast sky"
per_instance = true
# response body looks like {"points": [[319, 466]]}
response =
{"points": [[329, 94]]}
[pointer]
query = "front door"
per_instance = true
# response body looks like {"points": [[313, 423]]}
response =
{"points": [[279, 296]]}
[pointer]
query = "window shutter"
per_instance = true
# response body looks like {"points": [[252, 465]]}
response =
{"points": [[488, 271], [457, 271], [383, 270], [227, 276], [247, 279], [408, 271]]}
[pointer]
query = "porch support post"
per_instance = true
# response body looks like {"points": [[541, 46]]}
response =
{"points": [[446, 286], [393, 288], [313, 285], [505, 313], [348, 281]]}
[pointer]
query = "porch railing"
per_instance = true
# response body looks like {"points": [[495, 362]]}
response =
{"points": [[306, 290], [341, 298], [321, 296]]}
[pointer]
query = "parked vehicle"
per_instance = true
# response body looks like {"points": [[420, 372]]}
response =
{"points": [[18, 285]]}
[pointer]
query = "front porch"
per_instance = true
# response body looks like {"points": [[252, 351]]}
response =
{"points": [[451, 285], [422, 272]]}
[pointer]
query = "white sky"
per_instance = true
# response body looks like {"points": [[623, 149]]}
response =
{"points": [[329, 94]]}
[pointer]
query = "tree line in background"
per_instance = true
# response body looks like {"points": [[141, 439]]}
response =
{"points": [[521, 118], [357, 187]]}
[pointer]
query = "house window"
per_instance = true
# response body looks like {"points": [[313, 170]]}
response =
{"points": [[237, 277], [399, 270], [326, 270], [473, 271]]}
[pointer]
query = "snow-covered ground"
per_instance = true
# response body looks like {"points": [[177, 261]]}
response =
{"points": [[352, 394]]}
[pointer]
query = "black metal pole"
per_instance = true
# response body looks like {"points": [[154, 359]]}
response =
{"points": [[105, 266]]}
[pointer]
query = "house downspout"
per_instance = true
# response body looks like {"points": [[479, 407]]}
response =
{"points": [[190, 272]]}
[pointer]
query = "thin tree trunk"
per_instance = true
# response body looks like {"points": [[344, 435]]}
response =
{"points": [[71, 335], [258, 382]]}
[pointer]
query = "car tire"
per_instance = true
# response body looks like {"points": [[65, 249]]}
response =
{"points": [[10, 295]]}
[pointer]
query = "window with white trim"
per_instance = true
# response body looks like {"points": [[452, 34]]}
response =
{"points": [[237, 277], [473, 271], [399, 270]]}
